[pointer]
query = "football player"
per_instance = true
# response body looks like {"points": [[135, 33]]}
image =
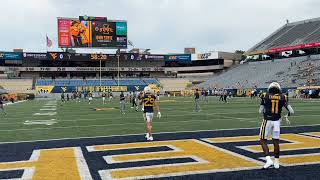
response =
{"points": [[148, 102], [90, 97], [196, 101], [271, 107], [2, 107], [134, 101], [140, 99], [206, 93], [110, 96], [158, 95], [122, 103], [62, 97], [225, 95], [103, 98], [79, 96]]}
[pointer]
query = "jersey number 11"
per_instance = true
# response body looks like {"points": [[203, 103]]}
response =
{"points": [[275, 105]]}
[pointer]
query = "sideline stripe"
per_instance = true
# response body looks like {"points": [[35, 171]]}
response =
{"points": [[10, 103], [158, 133]]}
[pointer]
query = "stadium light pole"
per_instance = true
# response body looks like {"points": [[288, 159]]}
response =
{"points": [[118, 56], [100, 74]]}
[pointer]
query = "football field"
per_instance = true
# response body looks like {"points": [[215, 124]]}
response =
{"points": [[47, 139], [51, 119]]}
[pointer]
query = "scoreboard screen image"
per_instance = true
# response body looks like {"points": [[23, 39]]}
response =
{"points": [[75, 33]]}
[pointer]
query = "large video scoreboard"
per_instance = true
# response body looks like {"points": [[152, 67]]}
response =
{"points": [[92, 32]]}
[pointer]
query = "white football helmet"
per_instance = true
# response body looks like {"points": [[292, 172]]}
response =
{"points": [[274, 87], [147, 90]]}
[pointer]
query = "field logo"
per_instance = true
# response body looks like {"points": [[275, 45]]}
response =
{"points": [[54, 55], [137, 88], [189, 155], [64, 89]]}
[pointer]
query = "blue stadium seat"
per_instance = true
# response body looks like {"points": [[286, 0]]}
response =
{"points": [[151, 81]]}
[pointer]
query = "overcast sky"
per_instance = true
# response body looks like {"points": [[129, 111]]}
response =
{"points": [[165, 26]]}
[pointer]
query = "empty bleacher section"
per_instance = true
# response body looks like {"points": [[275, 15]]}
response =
{"points": [[289, 72], [16, 85], [2, 90], [174, 84], [291, 34], [44, 82], [289, 56], [151, 81]]}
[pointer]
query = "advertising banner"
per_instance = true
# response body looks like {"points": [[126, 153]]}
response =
{"points": [[289, 48], [139, 57], [64, 32], [59, 56], [205, 56], [35, 56], [71, 89], [105, 69], [178, 57], [103, 34], [10, 55], [83, 56]]}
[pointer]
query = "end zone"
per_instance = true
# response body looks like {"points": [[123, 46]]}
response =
{"points": [[197, 158]]}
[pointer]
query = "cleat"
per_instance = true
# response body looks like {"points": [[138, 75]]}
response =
{"points": [[268, 163], [276, 164], [150, 138]]}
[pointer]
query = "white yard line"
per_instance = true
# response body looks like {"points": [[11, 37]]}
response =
{"points": [[116, 124], [10, 103], [130, 117], [48, 112]]}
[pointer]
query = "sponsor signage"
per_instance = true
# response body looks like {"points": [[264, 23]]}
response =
{"points": [[10, 55], [178, 57], [36, 69], [35, 56], [135, 56], [59, 56], [89, 57], [289, 48], [69, 89], [205, 56]]}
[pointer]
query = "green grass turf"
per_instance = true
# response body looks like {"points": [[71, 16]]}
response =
{"points": [[80, 120]]}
